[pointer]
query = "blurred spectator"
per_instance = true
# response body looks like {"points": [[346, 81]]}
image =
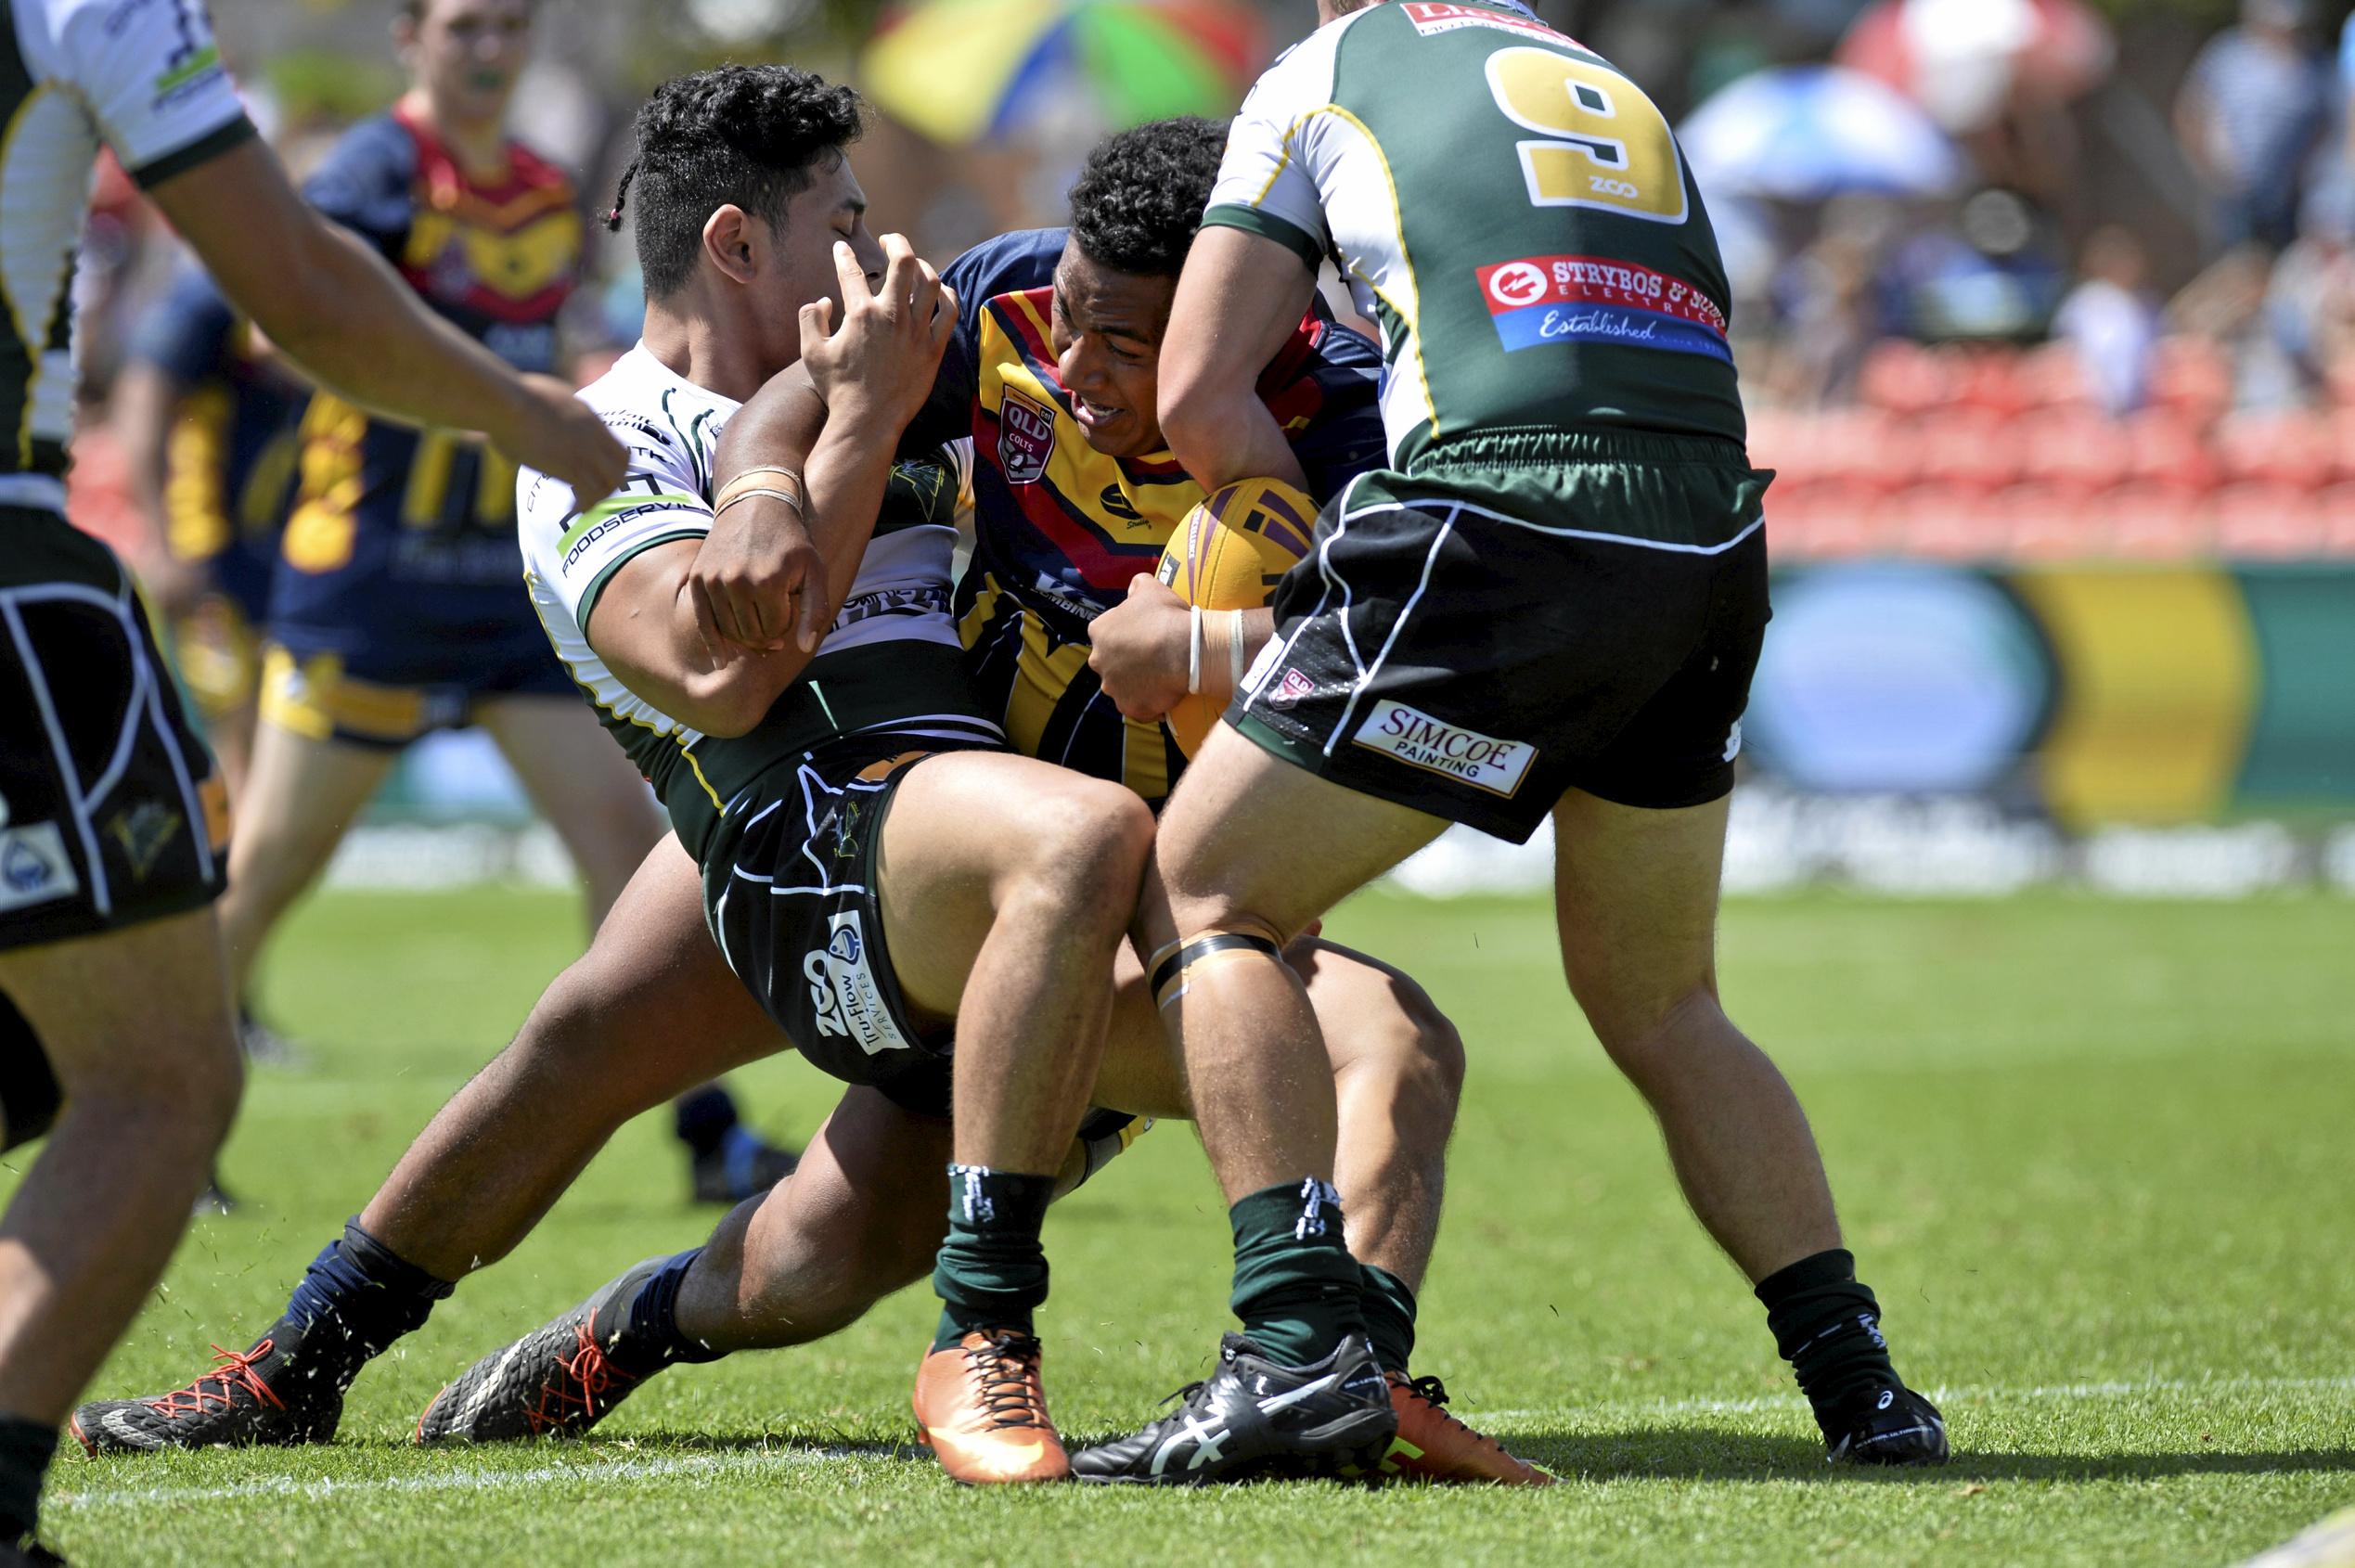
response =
{"points": [[2111, 320], [2250, 116], [1995, 276]]}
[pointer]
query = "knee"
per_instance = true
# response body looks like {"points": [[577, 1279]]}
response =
{"points": [[179, 1101], [1088, 853], [1644, 1037], [1419, 1056], [822, 1289]]}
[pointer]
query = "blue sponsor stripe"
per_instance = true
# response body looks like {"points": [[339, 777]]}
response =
{"points": [[1535, 326]]}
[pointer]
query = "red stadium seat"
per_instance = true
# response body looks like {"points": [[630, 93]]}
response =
{"points": [[2267, 521], [2334, 512], [2054, 376], [2075, 450], [2045, 522], [1995, 381], [2192, 376], [2153, 522], [2166, 448], [1940, 522], [2285, 448], [1905, 377], [1974, 452]]}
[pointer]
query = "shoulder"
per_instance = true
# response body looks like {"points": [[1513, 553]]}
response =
{"points": [[1009, 263], [529, 171], [379, 149]]}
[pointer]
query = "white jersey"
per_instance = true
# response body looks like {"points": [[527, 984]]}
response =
{"points": [[140, 76], [671, 426]]}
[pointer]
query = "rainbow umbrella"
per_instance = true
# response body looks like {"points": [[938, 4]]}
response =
{"points": [[964, 71]]}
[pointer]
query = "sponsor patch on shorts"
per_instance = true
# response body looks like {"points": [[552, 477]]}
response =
{"points": [[1291, 690], [1540, 299], [34, 868], [1469, 757], [843, 994]]}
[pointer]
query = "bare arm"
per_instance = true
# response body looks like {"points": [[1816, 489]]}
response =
{"points": [[644, 627], [1240, 297], [340, 313], [770, 574]]}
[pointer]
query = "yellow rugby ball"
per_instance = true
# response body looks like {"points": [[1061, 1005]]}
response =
{"points": [[1230, 553]]}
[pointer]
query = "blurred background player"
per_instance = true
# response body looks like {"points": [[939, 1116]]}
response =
{"points": [[393, 610], [1549, 602], [115, 1037]]}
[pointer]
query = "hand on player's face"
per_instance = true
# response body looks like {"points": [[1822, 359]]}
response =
{"points": [[1106, 328], [878, 353]]}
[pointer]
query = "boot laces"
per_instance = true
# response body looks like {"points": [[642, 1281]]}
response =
{"points": [[583, 1379], [235, 1370], [1433, 1392], [1005, 1367]]}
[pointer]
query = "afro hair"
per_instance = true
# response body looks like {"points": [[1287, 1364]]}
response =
{"points": [[1140, 199]]}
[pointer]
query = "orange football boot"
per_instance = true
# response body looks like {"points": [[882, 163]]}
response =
{"points": [[981, 1407], [1434, 1445]]}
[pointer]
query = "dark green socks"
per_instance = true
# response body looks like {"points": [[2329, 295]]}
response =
{"points": [[1389, 1305], [991, 1272], [1297, 1289], [1828, 1327]]}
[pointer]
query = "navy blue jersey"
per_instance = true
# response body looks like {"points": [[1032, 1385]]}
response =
{"points": [[230, 458], [401, 554], [1060, 529]]}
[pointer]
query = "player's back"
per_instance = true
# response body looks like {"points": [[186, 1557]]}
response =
{"points": [[1513, 210]]}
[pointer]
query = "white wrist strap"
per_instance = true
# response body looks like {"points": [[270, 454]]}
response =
{"points": [[1234, 652], [1194, 650]]}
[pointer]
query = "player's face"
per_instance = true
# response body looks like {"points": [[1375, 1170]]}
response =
{"points": [[1106, 330], [467, 54], [833, 209]]}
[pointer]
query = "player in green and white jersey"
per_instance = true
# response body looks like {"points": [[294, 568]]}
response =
{"points": [[1550, 603]]}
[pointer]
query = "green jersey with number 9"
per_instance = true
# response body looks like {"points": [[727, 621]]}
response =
{"points": [[1511, 210]]}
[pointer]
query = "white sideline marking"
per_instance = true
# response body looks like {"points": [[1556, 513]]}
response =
{"points": [[1971, 1391], [484, 1480], [475, 1480]]}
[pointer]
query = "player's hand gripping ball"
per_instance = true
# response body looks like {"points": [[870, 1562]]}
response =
{"points": [[1229, 554]]}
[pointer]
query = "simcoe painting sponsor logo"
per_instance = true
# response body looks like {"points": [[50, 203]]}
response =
{"points": [[1540, 300], [1025, 438], [843, 992], [34, 868], [1418, 740]]}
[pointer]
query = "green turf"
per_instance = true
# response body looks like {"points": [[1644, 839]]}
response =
{"points": [[2094, 1156]]}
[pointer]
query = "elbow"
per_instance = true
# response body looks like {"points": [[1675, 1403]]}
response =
{"points": [[730, 703], [1189, 422]]}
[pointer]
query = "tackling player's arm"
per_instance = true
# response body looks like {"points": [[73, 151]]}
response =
{"points": [[338, 310], [1240, 298], [758, 578], [653, 624]]}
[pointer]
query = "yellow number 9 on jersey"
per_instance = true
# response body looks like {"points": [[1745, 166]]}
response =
{"points": [[1609, 147], [1229, 554]]}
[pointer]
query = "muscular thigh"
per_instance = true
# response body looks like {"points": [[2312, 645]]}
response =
{"points": [[653, 976], [126, 1007]]}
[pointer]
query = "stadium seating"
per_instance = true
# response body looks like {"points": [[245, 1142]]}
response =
{"points": [[2003, 454]]}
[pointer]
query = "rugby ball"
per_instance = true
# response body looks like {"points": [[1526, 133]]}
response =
{"points": [[1230, 553]]}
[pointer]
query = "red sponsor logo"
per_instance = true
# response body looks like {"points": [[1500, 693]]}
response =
{"points": [[1433, 17], [1025, 438], [1595, 280]]}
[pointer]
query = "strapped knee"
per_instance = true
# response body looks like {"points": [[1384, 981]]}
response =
{"points": [[29, 1094], [1175, 966]]}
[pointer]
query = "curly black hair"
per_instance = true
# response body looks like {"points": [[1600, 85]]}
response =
{"points": [[746, 135], [1140, 200]]}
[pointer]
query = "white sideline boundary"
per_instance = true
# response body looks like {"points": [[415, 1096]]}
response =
{"points": [[752, 1462], [1971, 1391], [474, 1479]]}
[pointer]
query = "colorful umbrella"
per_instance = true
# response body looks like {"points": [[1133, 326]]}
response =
{"points": [[1805, 133], [962, 70]]}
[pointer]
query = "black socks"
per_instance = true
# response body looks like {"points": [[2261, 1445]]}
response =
{"points": [[1828, 1327], [26, 1448]]}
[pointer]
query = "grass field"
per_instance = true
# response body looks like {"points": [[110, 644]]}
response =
{"points": [[2096, 1157]]}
